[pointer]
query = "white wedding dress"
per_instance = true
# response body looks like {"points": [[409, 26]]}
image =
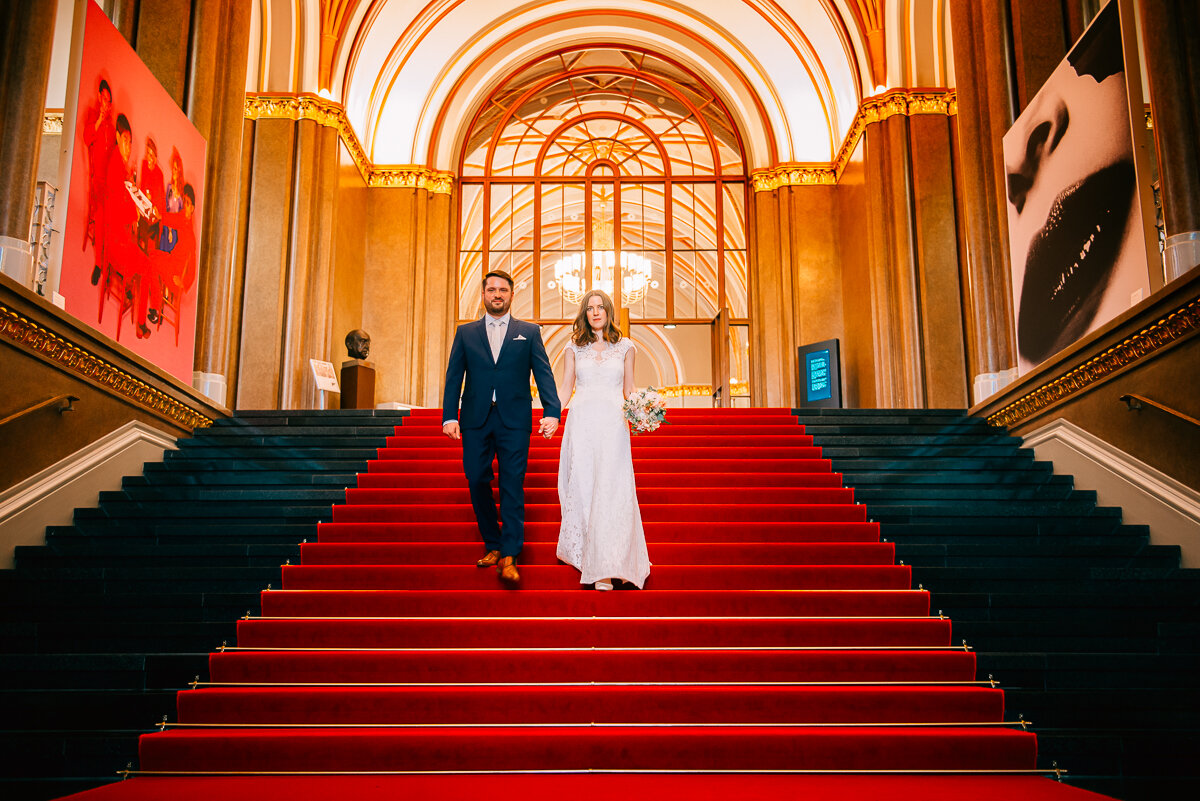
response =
{"points": [[601, 532]]}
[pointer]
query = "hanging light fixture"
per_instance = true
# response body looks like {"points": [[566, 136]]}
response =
{"points": [[636, 270]]}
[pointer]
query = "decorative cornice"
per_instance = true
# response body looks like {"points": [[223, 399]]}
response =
{"points": [[872, 110], [792, 175], [294, 107], [36, 339], [331, 115], [52, 122], [1179, 324], [436, 183]]}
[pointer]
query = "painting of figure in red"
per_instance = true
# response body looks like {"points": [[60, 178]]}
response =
{"points": [[133, 218]]}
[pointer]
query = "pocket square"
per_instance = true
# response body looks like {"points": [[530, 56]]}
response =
{"points": [[518, 338]]}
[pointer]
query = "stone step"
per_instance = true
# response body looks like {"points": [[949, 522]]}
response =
{"points": [[57, 709], [239, 478], [1082, 506], [1039, 473], [93, 755], [105, 637], [202, 452], [84, 671], [882, 450], [1055, 670], [938, 530], [280, 495], [906, 494], [90, 553], [129, 531], [1016, 460], [199, 510], [286, 442]]}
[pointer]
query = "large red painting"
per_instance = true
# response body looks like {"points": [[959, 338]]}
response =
{"points": [[132, 233]]}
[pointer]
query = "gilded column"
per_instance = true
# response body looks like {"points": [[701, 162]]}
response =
{"points": [[216, 106], [24, 66], [309, 306], [124, 17], [161, 42], [770, 323], [264, 295], [1040, 39], [1172, 27], [938, 285], [899, 367], [285, 315], [985, 112]]}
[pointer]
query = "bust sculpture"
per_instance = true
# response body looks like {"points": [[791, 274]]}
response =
{"points": [[358, 344]]}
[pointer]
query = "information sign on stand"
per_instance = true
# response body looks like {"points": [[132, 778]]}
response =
{"points": [[324, 374], [820, 375]]}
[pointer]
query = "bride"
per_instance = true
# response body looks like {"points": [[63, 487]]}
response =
{"points": [[601, 533]]}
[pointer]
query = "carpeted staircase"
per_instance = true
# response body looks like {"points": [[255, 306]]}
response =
{"points": [[1093, 631], [107, 621], [776, 631]]}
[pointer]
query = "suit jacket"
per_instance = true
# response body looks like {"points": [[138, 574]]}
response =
{"points": [[521, 354]]}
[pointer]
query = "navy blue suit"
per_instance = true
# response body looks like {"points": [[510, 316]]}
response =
{"points": [[498, 430]]}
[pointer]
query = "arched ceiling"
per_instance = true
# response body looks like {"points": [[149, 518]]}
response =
{"points": [[412, 74]]}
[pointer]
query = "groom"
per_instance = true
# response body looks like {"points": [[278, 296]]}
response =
{"points": [[497, 353]]}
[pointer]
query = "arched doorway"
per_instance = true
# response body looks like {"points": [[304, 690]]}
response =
{"points": [[613, 168]]}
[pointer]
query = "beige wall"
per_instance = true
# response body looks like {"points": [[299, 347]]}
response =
{"points": [[409, 287], [872, 261], [349, 258]]}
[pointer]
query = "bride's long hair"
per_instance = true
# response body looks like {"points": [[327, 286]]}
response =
{"points": [[583, 334]]}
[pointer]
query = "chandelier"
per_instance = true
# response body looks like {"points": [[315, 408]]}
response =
{"points": [[570, 274]]}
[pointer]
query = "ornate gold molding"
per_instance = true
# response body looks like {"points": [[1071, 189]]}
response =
{"points": [[331, 115], [792, 175], [872, 110], [436, 183], [1177, 325], [52, 122], [36, 339]]}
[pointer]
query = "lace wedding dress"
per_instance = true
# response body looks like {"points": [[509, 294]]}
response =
{"points": [[601, 532]]}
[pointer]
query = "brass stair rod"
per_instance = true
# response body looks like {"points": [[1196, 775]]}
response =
{"points": [[1134, 402], [70, 399]]}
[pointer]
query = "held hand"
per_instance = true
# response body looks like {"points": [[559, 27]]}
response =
{"points": [[450, 429], [547, 426]]}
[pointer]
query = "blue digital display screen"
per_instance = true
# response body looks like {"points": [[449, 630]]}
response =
{"points": [[816, 369]]}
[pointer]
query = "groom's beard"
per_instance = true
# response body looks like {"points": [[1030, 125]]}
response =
{"points": [[498, 307]]}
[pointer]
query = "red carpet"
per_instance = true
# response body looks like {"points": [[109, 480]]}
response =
{"points": [[776, 635]]}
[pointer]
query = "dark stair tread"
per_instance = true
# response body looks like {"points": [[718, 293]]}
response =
{"points": [[120, 671], [258, 494]]}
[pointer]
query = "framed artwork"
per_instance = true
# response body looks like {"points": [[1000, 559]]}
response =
{"points": [[134, 207], [1075, 212]]}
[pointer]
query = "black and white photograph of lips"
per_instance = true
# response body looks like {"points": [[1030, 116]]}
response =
{"points": [[1076, 235], [1071, 260]]}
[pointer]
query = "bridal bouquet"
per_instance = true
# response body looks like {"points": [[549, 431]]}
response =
{"points": [[646, 410]]}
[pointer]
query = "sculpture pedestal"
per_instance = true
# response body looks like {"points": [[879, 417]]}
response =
{"points": [[358, 384]]}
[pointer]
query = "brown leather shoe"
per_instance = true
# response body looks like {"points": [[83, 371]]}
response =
{"points": [[489, 559], [508, 569]]}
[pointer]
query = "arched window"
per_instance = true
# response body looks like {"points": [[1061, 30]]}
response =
{"points": [[612, 168]]}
